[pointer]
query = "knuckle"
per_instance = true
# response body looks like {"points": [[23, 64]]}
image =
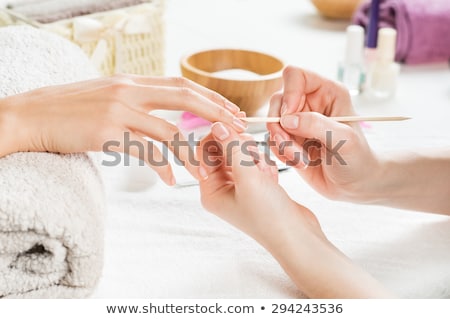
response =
{"points": [[172, 130], [223, 114], [180, 81], [119, 83], [349, 133], [187, 93], [276, 97], [113, 110], [289, 70]]}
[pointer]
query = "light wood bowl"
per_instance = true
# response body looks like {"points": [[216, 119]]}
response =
{"points": [[248, 94], [336, 9]]}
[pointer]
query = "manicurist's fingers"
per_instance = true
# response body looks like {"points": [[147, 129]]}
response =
{"points": [[312, 125]]}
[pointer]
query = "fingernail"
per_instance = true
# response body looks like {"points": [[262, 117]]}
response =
{"points": [[231, 107], [239, 124], [289, 121], [241, 114], [220, 131], [284, 108], [203, 173]]}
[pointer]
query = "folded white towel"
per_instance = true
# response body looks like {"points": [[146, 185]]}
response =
{"points": [[51, 206], [52, 10]]}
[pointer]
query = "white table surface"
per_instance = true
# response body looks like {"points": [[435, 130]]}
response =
{"points": [[160, 243]]}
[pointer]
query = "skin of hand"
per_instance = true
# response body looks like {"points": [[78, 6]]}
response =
{"points": [[334, 158], [83, 116], [242, 189], [341, 164]]}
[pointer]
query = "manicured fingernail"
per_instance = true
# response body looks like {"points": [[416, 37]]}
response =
{"points": [[289, 121], [284, 108], [241, 114], [203, 173], [231, 107], [220, 131], [239, 124]]}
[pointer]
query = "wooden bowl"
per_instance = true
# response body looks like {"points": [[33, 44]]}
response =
{"points": [[336, 9], [247, 92]]}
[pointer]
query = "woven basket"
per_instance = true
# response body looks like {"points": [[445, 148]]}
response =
{"points": [[129, 40]]}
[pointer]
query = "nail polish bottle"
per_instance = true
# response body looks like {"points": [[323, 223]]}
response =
{"points": [[384, 75], [351, 69]]}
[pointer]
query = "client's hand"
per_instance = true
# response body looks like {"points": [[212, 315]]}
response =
{"points": [[340, 163], [242, 189], [84, 116]]}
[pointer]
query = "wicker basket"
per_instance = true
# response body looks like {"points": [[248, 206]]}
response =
{"points": [[128, 40]]}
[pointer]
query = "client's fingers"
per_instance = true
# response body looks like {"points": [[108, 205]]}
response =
{"points": [[163, 131], [242, 163], [144, 150], [181, 82], [312, 125], [279, 138], [148, 98]]}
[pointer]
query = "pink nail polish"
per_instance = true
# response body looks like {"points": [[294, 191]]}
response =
{"points": [[220, 131]]}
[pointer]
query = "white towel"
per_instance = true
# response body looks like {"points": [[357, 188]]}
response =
{"points": [[51, 206], [52, 10]]}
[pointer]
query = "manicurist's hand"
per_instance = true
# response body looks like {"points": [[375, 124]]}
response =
{"points": [[335, 158], [332, 157], [242, 189], [84, 116]]}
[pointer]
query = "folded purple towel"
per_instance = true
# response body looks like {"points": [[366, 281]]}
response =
{"points": [[423, 28]]}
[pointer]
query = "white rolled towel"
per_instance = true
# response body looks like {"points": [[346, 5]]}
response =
{"points": [[51, 206]]}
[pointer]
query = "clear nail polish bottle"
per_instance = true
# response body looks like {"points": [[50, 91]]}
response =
{"points": [[384, 76], [351, 70]]}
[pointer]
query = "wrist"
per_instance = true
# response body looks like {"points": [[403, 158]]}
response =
{"points": [[9, 128], [298, 226], [375, 185], [385, 183]]}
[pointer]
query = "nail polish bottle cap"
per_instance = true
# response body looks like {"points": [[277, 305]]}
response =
{"points": [[355, 44], [387, 38]]}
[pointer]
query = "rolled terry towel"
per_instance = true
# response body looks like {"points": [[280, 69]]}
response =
{"points": [[423, 28], [51, 206], [52, 10]]}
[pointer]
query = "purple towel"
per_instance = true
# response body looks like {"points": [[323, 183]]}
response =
{"points": [[423, 28]]}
